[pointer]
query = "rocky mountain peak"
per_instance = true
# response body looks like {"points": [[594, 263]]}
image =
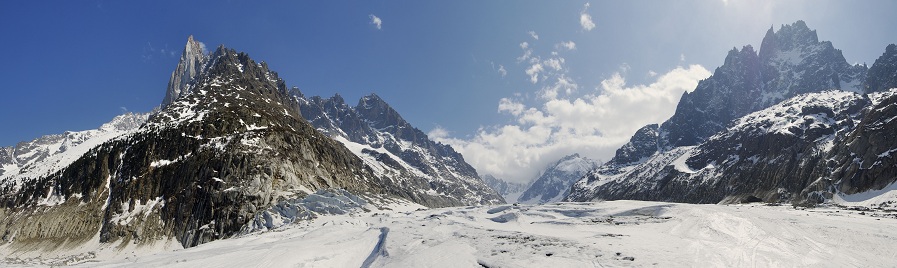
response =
{"points": [[883, 74], [338, 99], [789, 37], [554, 184], [790, 62], [372, 101], [395, 149], [127, 121], [190, 65], [377, 111], [642, 145]]}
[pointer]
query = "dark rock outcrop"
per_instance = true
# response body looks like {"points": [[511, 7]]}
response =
{"points": [[883, 74]]}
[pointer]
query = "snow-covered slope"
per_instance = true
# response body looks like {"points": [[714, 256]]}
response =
{"points": [[51, 153], [605, 234], [801, 150], [792, 123], [554, 183], [395, 150]]}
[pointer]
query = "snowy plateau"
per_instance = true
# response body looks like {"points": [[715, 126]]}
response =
{"points": [[601, 234]]}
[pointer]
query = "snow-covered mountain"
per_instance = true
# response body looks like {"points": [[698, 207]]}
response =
{"points": [[555, 182], [734, 140], [51, 153], [228, 153], [509, 190], [397, 151]]}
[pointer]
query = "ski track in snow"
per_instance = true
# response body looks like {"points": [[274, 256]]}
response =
{"points": [[604, 234]]}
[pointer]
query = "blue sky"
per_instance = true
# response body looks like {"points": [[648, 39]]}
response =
{"points": [[456, 69]]}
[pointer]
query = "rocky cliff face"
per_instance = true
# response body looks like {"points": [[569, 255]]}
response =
{"points": [[790, 62], [228, 150], [193, 60], [230, 145], [435, 174], [801, 150], [883, 74]]}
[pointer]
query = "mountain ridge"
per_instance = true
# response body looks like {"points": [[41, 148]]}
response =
{"points": [[555, 182], [226, 154], [698, 154]]}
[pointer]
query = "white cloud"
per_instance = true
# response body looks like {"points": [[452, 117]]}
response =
{"points": [[438, 133], [533, 35], [512, 107], [502, 71], [533, 72], [376, 21], [652, 73], [594, 125], [569, 45], [527, 52], [563, 84], [682, 57], [554, 63], [585, 19], [624, 68]]}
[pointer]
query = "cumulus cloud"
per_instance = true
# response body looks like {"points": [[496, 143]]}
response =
{"points": [[585, 19], [438, 133], [593, 124], [512, 107], [533, 72], [502, 71], [527, 52], [569, 45], [376, 21], [533, 35]]}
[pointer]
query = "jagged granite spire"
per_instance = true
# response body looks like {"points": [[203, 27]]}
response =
{"points": [[794, 62], [883, 74], [192, 61]]}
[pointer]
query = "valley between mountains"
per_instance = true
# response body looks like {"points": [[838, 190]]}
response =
{"points": [[785, 156]]}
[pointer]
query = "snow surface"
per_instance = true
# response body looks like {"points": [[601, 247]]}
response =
{"points": [[785, 117], [680, 164], [604, 234], [60, 151], [885, 197]]}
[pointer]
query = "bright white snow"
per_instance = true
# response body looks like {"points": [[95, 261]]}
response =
{"points": [[605, 234]]}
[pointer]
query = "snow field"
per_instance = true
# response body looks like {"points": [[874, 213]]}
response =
{"points": [[604, 234]]}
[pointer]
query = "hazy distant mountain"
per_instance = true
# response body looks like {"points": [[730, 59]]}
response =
{"points": [[554, 183], [508, 190]]}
